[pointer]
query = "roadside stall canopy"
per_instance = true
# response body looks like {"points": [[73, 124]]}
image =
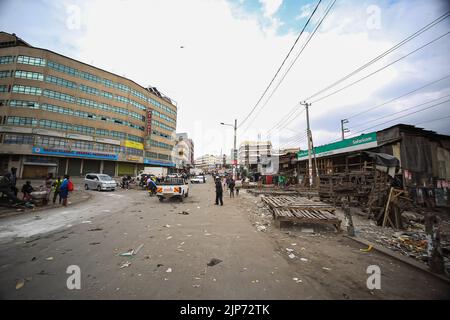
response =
{"points": [[383, 159]]}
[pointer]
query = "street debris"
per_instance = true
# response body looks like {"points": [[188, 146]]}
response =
{"points": [[213, 262], [261, 228], [183, 212], [159, 265], [289, 249], [196, 285], [169, 270], [307, 230], [34, 258], [49, 258], [198, 207], [95, 229], [297, 280], [325, 268], [304, 259], [207, 234], [125, 265], [167, 226], [169, 237], [20, 284], [131, 252], [369, 248], [94, 243], [86, 221], [292, 256]]}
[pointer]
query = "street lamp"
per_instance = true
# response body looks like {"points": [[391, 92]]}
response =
{"points": [[234, 149]]}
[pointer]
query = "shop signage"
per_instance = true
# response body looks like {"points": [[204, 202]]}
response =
{"points": [[74, 153], [364, 141], [134, 145], [79, 137], [109, 141], [159, 163], [133, 158]]}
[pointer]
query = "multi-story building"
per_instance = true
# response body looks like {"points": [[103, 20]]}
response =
{"points": [[208, 162], [63, 116], [184, 151], [250, 152]]}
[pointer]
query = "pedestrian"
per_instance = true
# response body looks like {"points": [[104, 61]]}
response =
{"points": [[6, 188], [48, 187], [56, 186], [27, 189], [219, 192], [14, 181], [64, 189], [231, 186]]}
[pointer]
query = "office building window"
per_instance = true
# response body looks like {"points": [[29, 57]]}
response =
{"points": [[57, 109], [18, 139], [31, 61], [27, 90], [6, 59], [4, 88], [61, 82], [62, 68], [88, 89], [21, 121], [24, 104], [29, 75], [5, 74], [59, 96]]}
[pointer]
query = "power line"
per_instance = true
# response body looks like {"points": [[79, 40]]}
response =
{"points": [[386, 66], [290, 121], [282, 64], [401, 96], [392, 49], [432, 120], [392, 114], [330, 5], [406, 115]]}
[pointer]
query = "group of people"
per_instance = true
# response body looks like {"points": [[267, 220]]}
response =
{"points": [[228, 182], [60, 188]]}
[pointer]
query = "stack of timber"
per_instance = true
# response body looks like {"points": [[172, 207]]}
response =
{"points": [[274, 192], [301, 210]]}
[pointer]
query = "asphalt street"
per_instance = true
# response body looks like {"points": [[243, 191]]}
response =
{"points": [[175, 241]]}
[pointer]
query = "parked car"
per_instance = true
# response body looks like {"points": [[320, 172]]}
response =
{"points": [[99, 182], [172, 187], [198, 179]]}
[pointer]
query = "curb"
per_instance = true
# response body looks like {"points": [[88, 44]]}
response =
{"points": [[8, 214], [399, 257]]}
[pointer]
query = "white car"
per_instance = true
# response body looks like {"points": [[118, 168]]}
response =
{"points": [[198, 179], [99, 182], [172, 187]]}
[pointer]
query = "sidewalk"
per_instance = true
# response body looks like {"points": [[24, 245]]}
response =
{"points": [[75, 197]]}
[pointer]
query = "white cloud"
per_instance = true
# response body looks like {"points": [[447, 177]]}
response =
{"points": [[270, 7], [305, 11]]}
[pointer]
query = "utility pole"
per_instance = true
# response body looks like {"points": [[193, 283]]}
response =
{"points": [[235, 152], [308, 133], [344, 130]]}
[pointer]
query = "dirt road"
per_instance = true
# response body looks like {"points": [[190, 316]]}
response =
{"points": [[172, 263]]}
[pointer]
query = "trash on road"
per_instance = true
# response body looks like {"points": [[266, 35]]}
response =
{"points": [[20, 284], [213, 262], [292, 256], [125, 265], [207, 234], [129, 253], [167, 226], [261, 228], [49, 258], [183, 212], [325, 268], [86, 221], [169, 237], [198, 207], [366, 250], [169, 270], [138, 248], [289, 249], [95, 229], [159, 265], [94, 243], [297, 280], [304, 259], [196, 285]]}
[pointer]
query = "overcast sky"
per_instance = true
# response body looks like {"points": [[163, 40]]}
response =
{"points": [[216, 57]]}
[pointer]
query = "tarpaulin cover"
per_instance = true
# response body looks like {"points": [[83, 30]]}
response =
{"points": [[384, 159]]}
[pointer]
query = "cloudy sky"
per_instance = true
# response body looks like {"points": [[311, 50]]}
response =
{"points": [[216, 57]]}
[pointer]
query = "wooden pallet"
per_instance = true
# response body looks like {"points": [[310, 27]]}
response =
{"points": [[298, 203], [301, 210], [306, 216]]}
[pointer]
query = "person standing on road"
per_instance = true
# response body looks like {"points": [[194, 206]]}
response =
{"points": [[56, 186], [66, 186], [231, 186], [48, 187], [219, 192]]}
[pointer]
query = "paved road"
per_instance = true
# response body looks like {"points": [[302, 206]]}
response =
{"points": [[172, 263]]}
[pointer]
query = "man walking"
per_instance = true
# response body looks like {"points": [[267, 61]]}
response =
{"points": [[219, 192], [56, 186], [231, 186]]}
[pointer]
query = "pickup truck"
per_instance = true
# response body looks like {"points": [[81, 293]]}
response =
{"points": [[198, 179], [172, 187]]}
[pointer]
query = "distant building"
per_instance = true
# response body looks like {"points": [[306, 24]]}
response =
{"points": [[208, 162], [251, 152], [184, 151]]}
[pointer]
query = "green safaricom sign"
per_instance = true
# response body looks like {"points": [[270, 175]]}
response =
{"points": [[364, 141]]}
